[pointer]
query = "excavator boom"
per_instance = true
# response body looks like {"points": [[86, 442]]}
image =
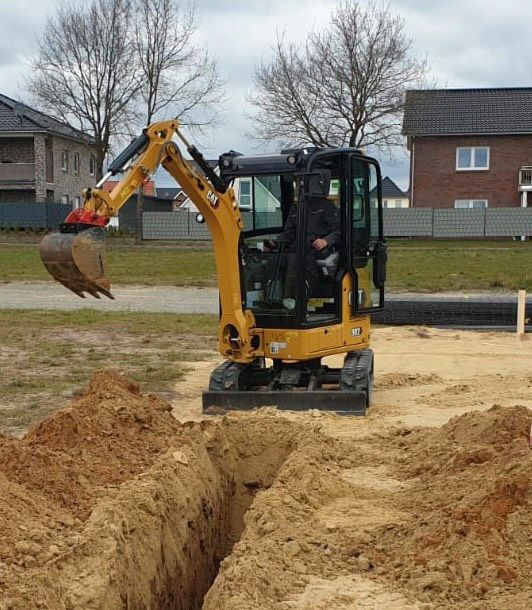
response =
{"points": [[75, 255]]}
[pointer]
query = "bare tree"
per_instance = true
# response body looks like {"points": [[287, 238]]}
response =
{"points": [[178, 76], [344, 86], [85, 69]]}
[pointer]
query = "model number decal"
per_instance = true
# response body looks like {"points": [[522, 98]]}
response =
{"points": [[276, 347]]}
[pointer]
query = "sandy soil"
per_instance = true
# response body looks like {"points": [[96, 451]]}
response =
{"points": [[424, 376], [425, 503]]}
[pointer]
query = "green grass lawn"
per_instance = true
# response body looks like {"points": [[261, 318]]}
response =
{"points": [[148, 265], [420, 266], [49, 356], [459, 265]]}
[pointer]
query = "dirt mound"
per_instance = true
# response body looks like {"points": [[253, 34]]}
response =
{"points": [[105, 437], [112, 498], [499, 427], [470, 533], [291, 532], [398, 380], [422, 519]]}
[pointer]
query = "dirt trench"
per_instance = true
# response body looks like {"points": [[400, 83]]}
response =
{"points": [[113, 504]]}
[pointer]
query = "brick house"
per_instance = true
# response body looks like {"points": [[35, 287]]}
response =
{"points": [[42, 159], [469, 148], [149, 187]]}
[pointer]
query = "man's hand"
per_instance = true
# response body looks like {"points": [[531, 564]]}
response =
{"points": [[319, 244]]}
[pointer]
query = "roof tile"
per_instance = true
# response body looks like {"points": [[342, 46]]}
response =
{"points": [[16, 116], [468, 112]]}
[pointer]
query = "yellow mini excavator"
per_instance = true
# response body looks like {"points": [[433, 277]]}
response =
{"points": [[290, 295]]}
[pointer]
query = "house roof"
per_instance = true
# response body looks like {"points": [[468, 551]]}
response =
{"points": [[391, 190], [18, 117], [149, 187], [180, 198], [446, 112]]}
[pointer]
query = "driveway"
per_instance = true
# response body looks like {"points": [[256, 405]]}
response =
{"points": [[169, 299]]}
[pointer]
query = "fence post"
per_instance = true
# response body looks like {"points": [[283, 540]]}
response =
{"points": [[521, 307]]}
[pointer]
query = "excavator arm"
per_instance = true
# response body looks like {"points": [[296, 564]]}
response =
{"points": [[75, 256]]}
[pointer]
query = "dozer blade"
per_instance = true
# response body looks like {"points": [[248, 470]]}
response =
{"points": [[342, 403], [77, 260]]}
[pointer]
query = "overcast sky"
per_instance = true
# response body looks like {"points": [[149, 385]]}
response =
{"points": [[468, 43]]}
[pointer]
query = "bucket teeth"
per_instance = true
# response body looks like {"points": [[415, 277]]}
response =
{"points": [[77, 261]]}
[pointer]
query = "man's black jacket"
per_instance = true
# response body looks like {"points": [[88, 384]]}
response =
{"points": [[323, 222]]}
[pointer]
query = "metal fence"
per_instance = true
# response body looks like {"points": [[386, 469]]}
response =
{"points": [[426, 222], [161, 223], [412, 222], [19, 215]]}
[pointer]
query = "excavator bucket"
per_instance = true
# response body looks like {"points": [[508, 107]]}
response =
{"points": [[77, 260]]}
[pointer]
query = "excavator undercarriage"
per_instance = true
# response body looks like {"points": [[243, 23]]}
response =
{"points": [[294, 386]]}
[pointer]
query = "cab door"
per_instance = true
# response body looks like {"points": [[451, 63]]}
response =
{"points": [[365, 240]]}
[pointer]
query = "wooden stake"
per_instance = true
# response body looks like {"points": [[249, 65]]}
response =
{"points": [[521, 307]]}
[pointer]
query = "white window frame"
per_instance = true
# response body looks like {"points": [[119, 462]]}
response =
{"points": [[473, 167], [92, 165], [469, 203], [245, 206], [64, 160], [65, 199]]}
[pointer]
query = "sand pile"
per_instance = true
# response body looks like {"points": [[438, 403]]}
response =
{"points": [[108, 435], [418, 519], [469, 535], [112, 499]]}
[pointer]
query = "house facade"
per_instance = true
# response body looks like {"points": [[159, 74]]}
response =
{"points": [[469, 148], [392, 195], [42, 159]]}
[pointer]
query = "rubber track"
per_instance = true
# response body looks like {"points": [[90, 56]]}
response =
{"points": [[357, 373], [225, 376]]}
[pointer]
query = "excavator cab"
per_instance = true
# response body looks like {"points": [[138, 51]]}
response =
{"points": [[286, 283]]}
